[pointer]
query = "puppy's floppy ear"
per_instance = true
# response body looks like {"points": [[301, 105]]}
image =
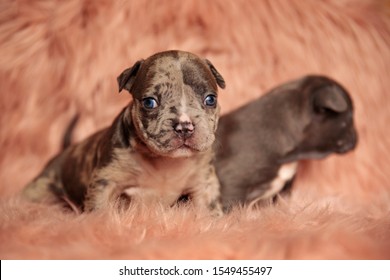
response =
{"points": [[330, 98], [127, 77], [218, 77]]}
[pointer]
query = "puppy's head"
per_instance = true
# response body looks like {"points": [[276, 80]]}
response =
{"points": [[329, 111], [175, 110]]}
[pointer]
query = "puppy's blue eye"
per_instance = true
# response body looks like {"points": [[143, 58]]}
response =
{"points": [[210, 100], [149, 103]]}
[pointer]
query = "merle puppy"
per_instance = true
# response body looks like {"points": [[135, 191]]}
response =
{"points": [[157, 149]]}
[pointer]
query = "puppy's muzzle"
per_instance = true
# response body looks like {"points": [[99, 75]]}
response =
{"points": [[348, 143], [184, 129]]}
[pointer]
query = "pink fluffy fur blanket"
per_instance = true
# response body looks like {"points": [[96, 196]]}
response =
{"points": [[62, 57]]}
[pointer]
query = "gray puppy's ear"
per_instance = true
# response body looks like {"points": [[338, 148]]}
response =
{"points": [[330, 98], [218, 77], [127, 77]]}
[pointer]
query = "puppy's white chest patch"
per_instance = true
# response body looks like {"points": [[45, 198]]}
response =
{"points": [[286, 173]]}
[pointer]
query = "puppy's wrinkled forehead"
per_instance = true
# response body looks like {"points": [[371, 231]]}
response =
{"points": [[174, 69]]}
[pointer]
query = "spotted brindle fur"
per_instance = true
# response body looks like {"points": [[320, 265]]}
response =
{"points": [[140, 155]]}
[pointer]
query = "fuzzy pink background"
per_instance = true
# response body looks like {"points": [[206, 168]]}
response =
{"points": [[62, 57]]}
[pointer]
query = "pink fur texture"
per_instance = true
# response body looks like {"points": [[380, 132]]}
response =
{"points": [[62, 57]]}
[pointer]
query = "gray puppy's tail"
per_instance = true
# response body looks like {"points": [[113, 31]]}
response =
{"points": [[67, 138]]}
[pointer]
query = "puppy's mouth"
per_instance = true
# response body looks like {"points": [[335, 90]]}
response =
{"points": [[346, 147], [183, 150], [185, 145], [178, 147], [347, 144], [197, 143]]}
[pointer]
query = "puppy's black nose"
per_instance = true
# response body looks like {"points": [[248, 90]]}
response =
{"points": [[184, 129]]}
